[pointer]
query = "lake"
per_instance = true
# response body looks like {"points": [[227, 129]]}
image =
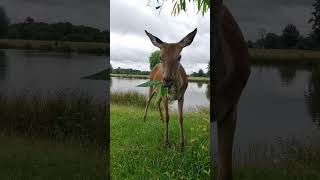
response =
{"points": [[49, 72], [195, 95], [278, 101]]}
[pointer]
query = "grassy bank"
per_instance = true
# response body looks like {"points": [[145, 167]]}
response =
{"points": [[284, 56], [38, 159], [61, 136], [137, 151], [62, 116], [58, 46]]}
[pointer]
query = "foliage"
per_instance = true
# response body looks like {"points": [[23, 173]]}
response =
{"points": [[4, 22], [129, 71], [315, 20], [162, 91], [200, 73], [31, 30], [290, 36], [181, 5], [154, 59]]}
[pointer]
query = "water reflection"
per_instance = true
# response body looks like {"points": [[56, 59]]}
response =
{"points": [[287, 74], [312, 96], [3, 65]]}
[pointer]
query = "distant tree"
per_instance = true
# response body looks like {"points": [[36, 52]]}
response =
{"points": [[262, 33], [315, 20], [272, 41], [201, 73], [290, 36], [4, 23], [250, 44], [29, 20], [154, 59]]}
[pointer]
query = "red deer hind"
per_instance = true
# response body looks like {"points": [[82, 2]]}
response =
{"points": [[173, 76], [231, 71]]}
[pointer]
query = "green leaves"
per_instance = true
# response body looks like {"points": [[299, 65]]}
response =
{"points": [[150, 83], [180, 5], [162, 91]]}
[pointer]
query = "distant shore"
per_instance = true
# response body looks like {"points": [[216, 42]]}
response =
{"points": [[57, 46], [191, 79], [284, 56]]}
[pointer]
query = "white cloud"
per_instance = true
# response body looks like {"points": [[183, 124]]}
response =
{"points": [[130, 47]]}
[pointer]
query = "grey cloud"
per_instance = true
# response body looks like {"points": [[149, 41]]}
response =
{"points": [[80, 12], [271, 15]]}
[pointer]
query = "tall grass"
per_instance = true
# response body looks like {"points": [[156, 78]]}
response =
{"points": [[59, 117]]}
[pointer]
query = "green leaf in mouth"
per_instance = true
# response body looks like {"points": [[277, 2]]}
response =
{"points": [[150, 83]]}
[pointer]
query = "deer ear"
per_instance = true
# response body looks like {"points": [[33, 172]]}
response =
{"points": [[186, 41], [155, 41]]}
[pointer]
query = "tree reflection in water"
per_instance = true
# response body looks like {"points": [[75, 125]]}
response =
{"points": [[3, 65], [312, 96]]}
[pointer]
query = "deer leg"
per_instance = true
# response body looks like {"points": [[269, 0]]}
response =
{"points": [[151, 94], [226, 130], [166, 110], [180, 117], [160, 112]]}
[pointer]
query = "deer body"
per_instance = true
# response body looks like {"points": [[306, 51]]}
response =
{"points": [[232, 70], [173, 76]]}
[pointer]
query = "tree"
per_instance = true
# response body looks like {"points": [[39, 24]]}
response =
{"points": [[262, 34], [29, 20], [315, 20], [180, 5], [272, 41], [290, 36], [154, 59], [201, 73], [4, 23]]}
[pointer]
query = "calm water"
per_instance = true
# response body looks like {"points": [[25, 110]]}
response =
{"points": [[278, 102], [195, 95], [49, 72]]}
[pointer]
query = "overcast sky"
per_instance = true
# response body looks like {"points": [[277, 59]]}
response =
{"points": [[80, 12], [130, 47], [131, 17], [271, 15]]}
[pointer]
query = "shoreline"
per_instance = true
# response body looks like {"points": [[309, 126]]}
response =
{"points": [[56, 46], [136, 76]]}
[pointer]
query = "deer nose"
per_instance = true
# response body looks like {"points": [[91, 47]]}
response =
{"points": [[167, 82]]}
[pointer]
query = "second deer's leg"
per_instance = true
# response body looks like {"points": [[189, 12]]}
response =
{"points": [[151, 94], [180, 117], [167, 117], [226, 130]]}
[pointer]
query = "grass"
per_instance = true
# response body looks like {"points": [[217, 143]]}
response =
{"points": [[79, 47], [137, 151], [62, 136], [60, 117], [40, 159], [284, 56]]}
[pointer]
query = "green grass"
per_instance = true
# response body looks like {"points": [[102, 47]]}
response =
{"points": [[284, 56], [59, 117], [79, 47], [137, 150], [62, 136], [40, 159]]}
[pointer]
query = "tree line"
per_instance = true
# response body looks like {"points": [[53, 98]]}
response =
{"points": [[61, 31], [291, 38]]}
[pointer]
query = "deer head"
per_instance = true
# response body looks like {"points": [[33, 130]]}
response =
{"points": [[170, 55]]}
